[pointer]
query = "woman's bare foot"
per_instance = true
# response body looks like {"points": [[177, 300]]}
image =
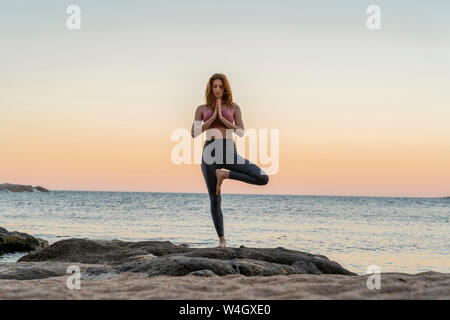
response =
{"points": [[220, 175], [222, 244]]}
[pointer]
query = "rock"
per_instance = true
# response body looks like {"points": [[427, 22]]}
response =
{"points": [[178, 266], [101, 251], [250, 267], [302, 261], [165, 258], [41, 270], [42, 243], [19, 241], [41, 189], [21, 188], [143, 258], [203, 273]]}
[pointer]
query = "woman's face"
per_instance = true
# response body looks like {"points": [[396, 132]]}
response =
{"points": [[217, 88]]}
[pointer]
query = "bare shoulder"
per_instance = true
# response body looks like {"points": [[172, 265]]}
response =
{"points": [[201, 108], [199, 112], [236, 107]]}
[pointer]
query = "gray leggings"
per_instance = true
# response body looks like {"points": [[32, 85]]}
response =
{"points": [[222, 153]]}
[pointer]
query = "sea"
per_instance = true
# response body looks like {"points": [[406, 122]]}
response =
{"points": [[389, 234]]}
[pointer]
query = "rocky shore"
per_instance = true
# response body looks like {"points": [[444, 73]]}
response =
{"points": [[162, 270], [19, 241], [21, 188], [165, 258]]}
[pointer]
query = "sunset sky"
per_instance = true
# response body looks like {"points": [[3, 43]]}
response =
{"points": [[360, 112]]}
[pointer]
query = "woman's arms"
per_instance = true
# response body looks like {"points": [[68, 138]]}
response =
{"points": [[197, 126]]}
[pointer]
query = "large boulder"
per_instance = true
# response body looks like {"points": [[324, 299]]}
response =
{"points": [[166, 258], [20, 188], [112, 252], [18, 241]]}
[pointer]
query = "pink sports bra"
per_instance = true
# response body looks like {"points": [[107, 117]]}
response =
{"points": [[226, 113]]}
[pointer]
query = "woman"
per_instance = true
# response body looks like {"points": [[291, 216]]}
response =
{"points": [[218, 115]]}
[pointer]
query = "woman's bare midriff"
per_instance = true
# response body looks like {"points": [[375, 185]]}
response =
{"points": [[213, 135]]}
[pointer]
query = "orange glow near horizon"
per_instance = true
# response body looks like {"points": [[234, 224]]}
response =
{"points": [[124, 160]]}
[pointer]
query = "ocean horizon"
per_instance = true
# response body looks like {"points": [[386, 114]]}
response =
{"points": [[270, 194]]}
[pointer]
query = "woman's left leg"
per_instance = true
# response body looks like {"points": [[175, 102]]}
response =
{"points": [[209, 175]]}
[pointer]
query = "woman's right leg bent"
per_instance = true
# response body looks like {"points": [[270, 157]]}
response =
{"points": [[245, 170]]}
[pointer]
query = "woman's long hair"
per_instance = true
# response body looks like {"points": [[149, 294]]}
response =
{"points": [[227, 97]]}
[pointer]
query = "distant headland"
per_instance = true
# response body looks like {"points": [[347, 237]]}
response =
{"points": [[20, 188]]}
